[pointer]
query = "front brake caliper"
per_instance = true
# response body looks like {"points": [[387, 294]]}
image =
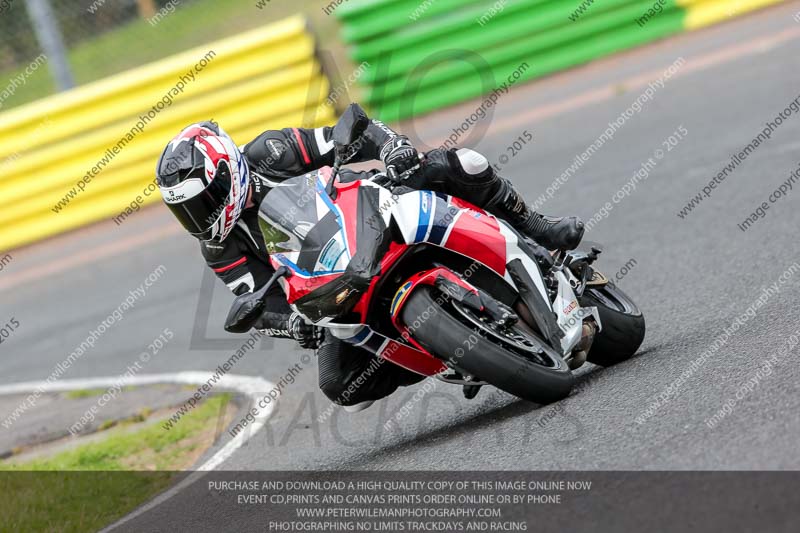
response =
{"points": [[479, 301], [502, 314]]}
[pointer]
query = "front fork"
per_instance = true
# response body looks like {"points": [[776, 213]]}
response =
{"points": [[568, 327], [580, 324]]}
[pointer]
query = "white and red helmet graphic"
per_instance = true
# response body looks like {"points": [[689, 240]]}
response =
{"points": [[204, 180]]}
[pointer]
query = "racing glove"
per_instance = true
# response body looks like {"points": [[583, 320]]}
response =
{"points": [[398, 152], [307, 335], [245, 314], [291, 326]]}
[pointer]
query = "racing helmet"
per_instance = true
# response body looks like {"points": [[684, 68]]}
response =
{"points": [[204, 180]]}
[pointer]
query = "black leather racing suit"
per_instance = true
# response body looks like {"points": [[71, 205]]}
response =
{"points": [[241, 260]]}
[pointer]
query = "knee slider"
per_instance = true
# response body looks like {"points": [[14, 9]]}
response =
{"points": [[472, 163]]}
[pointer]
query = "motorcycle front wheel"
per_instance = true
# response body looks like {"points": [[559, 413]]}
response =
{"points": [[512, 359]]}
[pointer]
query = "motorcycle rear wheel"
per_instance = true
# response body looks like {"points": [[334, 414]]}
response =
{"points": [[522, 364]]}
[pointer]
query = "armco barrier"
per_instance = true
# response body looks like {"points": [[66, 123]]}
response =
{"points": [[427, 54], [266, 78]]}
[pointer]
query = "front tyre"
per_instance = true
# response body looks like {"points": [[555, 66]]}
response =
{"points": [[622, 321], [513, 360]]}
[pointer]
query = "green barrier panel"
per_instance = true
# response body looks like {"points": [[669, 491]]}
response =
{"points": [[458, 90], [354, 9], [537, 29], [420, 55], [524, 49], [520, 19], [387, 17]]}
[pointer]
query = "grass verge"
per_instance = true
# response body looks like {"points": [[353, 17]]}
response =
{"points": [[91, 486]]}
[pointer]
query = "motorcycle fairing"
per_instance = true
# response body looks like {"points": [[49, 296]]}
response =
{"points": [[498, 246], [340, 296], [333, 248], [399, 353], [540, 307], [435, 277], [338, 248], [425, 216]]}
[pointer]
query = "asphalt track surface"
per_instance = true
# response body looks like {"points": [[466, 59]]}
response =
{"points": [[692, 278]]}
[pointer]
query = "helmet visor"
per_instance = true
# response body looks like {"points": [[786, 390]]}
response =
{"points": [[199, 213]]}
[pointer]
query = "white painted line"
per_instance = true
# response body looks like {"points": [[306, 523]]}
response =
{"points": [[250, 386]]}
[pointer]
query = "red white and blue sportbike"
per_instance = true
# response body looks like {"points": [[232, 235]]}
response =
{"points": [[438, 286]]}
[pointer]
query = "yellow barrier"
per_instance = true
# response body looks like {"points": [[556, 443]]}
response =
{"points": [[702, 13], [113, 130]]}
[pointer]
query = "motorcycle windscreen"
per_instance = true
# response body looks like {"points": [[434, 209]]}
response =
{"points": [[297, 223], [288, 212]]}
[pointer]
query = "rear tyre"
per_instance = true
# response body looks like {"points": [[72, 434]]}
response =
{"points": [[522, 365], [622, 321]]}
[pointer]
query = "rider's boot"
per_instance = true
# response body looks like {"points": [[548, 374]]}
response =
{"points": [[553, 233], [475, 180], [468, 174]]}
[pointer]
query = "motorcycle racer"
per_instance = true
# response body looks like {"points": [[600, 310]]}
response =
{"points": [[214, 188]]}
